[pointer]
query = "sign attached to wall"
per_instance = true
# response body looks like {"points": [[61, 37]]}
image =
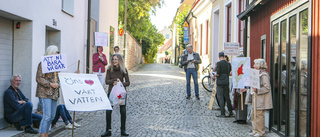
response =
{"points": [[254, 78], [100, 39], [231, 49], [185, 24], [54, 63], [83, 92]]}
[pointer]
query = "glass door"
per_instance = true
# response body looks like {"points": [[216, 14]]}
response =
{"points": [[290, 73]]}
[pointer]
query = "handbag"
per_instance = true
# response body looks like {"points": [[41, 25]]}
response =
{"points": [[118, 95]]}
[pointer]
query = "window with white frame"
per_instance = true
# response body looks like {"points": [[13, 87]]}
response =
{"points": [[68, 6]]}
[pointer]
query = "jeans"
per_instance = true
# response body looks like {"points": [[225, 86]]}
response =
{"points": [[223, 96], [49, 107], [64, 113], [24, 115], [194, 74]]}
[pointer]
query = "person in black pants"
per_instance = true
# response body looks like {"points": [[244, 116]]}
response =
{"points": [[116, 72], [223, 72]]}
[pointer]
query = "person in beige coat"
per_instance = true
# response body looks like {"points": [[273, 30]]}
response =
{"points": [[263, 99]]}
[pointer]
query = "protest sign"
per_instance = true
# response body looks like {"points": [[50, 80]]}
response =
{"points": [[231, 49], [240, 72], [254, 79], [83, 92], [54, 63], [100, 39]]}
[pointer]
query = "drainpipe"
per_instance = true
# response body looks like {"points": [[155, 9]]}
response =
{"points": [[245, 34], [88, 36]]}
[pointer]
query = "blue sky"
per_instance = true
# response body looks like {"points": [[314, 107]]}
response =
{"points": [[164, 16]]}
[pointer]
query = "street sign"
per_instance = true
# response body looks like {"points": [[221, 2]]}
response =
{"points": [[186, 35], [121, 32], [185, 24]]}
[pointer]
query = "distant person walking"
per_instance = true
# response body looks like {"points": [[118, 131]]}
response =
{"points": [[223, 72], [190, 62]]}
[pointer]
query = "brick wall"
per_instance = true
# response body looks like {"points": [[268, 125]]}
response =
{"points": [[133, 52]]}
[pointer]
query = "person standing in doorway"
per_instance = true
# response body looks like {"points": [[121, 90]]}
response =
{"points": [[116, 50], [99, 63], [190, 62], [223, 72]]}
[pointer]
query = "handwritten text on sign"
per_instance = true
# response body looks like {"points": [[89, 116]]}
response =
{"points": [[231, 49], [100, 39], [54, 63], [254, 78], [83, 92]]}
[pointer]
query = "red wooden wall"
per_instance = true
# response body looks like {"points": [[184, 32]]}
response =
{"points": [[315, 73], [260, 25]]}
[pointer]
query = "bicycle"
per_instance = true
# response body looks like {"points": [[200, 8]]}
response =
{"points": [[209, 79]]}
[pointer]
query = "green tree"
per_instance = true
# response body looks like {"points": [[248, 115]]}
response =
{"points": [[179, 20], [140, 26]]}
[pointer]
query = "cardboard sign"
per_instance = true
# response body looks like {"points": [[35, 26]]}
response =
{"points": [[54, 63], [100, 39], [231, 49], [83, 92], [240, 72], [254, 78]]}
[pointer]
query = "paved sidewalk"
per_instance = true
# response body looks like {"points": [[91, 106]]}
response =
{"points": [[156, 107]]}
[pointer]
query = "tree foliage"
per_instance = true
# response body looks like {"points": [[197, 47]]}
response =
{"points": [[179, 20], [140, 26]]}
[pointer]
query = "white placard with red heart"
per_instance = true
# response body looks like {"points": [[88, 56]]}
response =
{"points": [[83, 92]]}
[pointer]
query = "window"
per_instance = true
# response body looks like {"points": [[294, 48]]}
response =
{"points": [[207, 37], [68, 6], [263, 47], [201, 27], [167, 36], [242, 5], [229, 12]]}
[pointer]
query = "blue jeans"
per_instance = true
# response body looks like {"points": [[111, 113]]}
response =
{"points": [[64, 113], [24, 115], [49, 107], [194, 74]]}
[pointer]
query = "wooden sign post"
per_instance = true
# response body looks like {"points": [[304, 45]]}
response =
{"points": [[213, 96]]}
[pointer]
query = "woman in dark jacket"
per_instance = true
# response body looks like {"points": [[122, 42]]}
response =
{"points": [[116, 72]]}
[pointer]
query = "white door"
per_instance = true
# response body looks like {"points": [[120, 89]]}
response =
{"points": [[6, 36]]}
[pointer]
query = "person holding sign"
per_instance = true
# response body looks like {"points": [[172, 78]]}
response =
{"points": [[48, 92], [116, 72], [99, 63], [262, 99]]}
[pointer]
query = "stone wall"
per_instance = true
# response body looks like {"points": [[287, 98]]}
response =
{"points": [[133, 51]]}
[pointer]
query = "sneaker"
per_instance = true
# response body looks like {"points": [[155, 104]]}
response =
{"points": [[257, 135], [197, 96], [252, 133], [29, 129], [69, 126], [188, 97], [76, 124]]}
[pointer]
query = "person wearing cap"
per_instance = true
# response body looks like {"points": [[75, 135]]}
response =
{"points": [[190, 62], [223, 71]]}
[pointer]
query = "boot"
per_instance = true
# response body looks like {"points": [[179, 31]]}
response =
{"points": [[123, 133]]}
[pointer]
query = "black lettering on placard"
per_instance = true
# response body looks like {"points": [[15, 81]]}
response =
{"points": [[83, 100], [86, 92]]}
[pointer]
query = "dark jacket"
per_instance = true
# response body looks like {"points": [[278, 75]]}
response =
{"points": [[223, 71], [184, 61], [113, 76], [10, 101]]}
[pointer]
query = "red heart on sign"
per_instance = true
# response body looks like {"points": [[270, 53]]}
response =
{"points": [[90, 82]]}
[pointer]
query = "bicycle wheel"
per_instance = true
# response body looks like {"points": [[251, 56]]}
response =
{"points": [[207, 83]]}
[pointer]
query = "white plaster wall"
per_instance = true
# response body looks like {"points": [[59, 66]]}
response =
{"points": [[108, 16], [41, 13]]}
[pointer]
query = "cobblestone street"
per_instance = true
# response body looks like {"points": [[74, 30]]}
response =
{"points": [[156, 107]]}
